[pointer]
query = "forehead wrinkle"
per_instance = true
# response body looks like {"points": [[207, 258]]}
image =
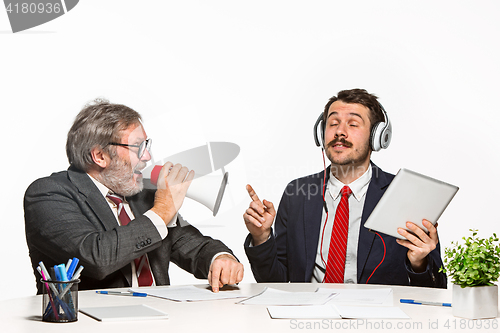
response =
{"points": [[350, 114], [134, 135]]}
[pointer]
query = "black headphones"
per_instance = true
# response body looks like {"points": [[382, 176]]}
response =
{"points": [[380, 136]]}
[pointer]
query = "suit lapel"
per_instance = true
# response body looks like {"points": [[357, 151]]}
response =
{"points": [[99, 206], [94, 198], [313, 212], [376, 189]]}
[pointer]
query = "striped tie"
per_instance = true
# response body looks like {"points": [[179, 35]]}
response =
{"points": [[143, 271], [335, 266]]}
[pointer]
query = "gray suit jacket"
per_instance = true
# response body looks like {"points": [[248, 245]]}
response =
{"points": [[66, 216]]}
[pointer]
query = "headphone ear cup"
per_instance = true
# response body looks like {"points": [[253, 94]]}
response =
{"points": [[322, 129], [386, 136], [376, 135], [319, 132], [381, 136]]}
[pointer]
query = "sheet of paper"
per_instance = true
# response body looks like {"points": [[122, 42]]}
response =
{"points": [[371, 312], [272, 296], [380, 296], [303, 312], [124, 312], [188, 293]]}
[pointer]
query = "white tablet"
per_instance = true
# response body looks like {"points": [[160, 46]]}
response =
{"points": [[410, 197]]}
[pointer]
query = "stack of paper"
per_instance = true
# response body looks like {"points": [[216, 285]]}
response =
{"points": [[379, 296], [272, 296], [343, 303], [125, 312]]}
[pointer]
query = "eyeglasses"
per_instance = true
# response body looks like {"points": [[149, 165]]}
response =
{"points": [[145, 145]]}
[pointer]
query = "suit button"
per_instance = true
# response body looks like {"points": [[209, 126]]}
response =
{"points": [[138, 246], [148, 241]]}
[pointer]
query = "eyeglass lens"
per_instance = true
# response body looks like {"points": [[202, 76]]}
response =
{"points": [[145, 145]]}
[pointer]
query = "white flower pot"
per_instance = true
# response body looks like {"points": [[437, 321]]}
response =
{"points": [[475, 302]]}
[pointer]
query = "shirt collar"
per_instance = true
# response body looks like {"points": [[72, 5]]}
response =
{"points": [[102, 188], [358, 187]]}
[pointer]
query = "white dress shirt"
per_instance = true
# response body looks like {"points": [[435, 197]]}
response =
{"points": [[356, 204]]}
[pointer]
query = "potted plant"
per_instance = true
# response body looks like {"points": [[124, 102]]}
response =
{"points": [[474, 267]]}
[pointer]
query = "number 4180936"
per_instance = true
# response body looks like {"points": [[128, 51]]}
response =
{"points": [[471, 324], [32, 8]]}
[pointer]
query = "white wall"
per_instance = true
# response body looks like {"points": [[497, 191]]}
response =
{"points": [[257, 73]]}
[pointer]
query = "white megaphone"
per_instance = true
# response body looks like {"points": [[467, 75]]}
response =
{"points": [[207, 190]]}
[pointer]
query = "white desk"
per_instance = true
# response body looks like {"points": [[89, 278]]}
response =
{"points": [[24, 314]]}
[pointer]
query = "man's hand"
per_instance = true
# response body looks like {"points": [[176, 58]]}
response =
{"points": [[420, 244], [225, 269], [173, 183], [259, 218]]}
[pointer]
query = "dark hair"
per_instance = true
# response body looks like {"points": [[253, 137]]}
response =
{"points": [[358, 96], [98, 123]]}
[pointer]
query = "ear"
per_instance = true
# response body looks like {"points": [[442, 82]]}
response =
{"points": [[100, 158]]}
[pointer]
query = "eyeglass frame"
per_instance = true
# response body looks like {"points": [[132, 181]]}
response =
{"points": [[147, 146]]}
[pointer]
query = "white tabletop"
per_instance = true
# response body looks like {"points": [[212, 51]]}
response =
{"points": [[24, 314]]}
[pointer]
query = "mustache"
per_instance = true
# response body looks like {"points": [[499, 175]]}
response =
{"points": [[339, 140]]}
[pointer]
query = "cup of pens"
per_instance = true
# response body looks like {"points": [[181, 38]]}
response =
{"points": [[60, 295], [60, 301]]}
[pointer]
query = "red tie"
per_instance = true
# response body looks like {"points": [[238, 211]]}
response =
{"points": [[335, 266], [143, 272]]}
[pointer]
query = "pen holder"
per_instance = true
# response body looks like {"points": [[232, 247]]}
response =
{"points": [[60, 301]]}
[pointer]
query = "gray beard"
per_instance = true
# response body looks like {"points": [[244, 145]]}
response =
{"points": [[118, 177]]}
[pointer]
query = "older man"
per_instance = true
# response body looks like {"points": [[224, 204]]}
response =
{"points": [[98, 211]]}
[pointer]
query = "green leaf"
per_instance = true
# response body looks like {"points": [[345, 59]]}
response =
{"points": [[474, 262]]}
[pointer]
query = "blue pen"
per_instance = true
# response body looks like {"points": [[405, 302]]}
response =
{"points": [[72, 267], [121, 293], [77, 273], [412, 301], [62, 272], [75, 277], [57, 273]]}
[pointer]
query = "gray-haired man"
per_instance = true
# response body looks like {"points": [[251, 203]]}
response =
{"points": [[98, 211]]}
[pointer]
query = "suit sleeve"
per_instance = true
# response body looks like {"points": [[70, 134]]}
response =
{"points": [[269, 260], [193, 251], [60, 224], [431, 277]]}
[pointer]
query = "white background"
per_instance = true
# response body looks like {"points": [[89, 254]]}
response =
{"points": [[256, 73]]}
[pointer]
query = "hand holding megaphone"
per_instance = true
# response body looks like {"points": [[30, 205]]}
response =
{"points": [[172, 182]]}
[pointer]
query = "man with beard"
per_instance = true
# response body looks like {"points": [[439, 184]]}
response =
{"points": [[98, 212], [319, 234]]}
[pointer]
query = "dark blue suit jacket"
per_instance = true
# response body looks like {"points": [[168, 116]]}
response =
{"points": [[290, 254]]}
